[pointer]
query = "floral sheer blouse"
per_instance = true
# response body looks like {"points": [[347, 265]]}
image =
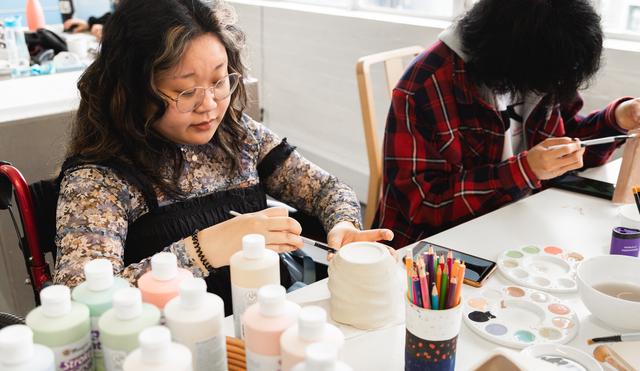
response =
{"points": [[96, 205]]}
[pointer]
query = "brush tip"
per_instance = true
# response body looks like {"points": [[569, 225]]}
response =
{"points": [[590, 342]]}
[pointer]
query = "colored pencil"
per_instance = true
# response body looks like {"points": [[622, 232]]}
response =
{"points": [[418, 296], [443, 288], [434, 296], [432, 273], [438, 278], [424, 285], [451, 296], [460, 280], [636, 196], [408, 263], [450, 261]]}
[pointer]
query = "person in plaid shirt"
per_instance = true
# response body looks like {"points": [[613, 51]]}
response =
{"points": [[490, 111]]}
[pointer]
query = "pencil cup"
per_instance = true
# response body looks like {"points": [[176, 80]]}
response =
{"points": [[431, 338]]}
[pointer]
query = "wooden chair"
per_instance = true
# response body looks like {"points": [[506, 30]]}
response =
{"points": [[394, 67]]}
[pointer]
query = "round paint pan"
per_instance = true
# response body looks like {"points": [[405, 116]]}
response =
{"points": [[519, 317], [564, 357], [549, 268]]}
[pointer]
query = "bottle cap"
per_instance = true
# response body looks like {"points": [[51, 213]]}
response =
{"points": [[155, 344], [56, 300], [16, 345], [253, 246], [311, 323], [10, 22], [321, 356], [127, 303], [192, 292], [99, 274], [271, 299], [164, 266]]}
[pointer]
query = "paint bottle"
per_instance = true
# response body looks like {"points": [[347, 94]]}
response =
{"points": [[19, 353], [64, 327], [158, 353], [251, 268], [312, 327], [321, 356], [162, 283], [195, 319], [264, 322], [97, 294], [121, 325]]}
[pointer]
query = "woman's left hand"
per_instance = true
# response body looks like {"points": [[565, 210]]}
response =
{"points": [[345, 232], [628, 114]]}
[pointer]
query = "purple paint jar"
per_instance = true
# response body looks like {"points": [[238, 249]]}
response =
{"points": [[625, 241]]}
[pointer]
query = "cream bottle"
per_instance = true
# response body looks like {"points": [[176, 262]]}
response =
{"points": [[97, 294], [251, 268], [121, 325], [321, 356], [162, 283], [195, 319], [19, 353], [158, 353], [64, 327], [312, 327], [264, 322]]}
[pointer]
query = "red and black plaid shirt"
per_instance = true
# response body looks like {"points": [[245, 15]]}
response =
{"points": [[443, 148]]}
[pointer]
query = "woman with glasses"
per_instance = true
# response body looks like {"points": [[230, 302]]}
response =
{"points": [[161, 153]]}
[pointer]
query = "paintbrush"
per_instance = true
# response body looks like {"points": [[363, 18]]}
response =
{"points": [[615, 338], [605, 140], [604, 353], [306, 240]]}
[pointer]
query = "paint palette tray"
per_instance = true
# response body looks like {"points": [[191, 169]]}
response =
{"points": [[518, 317], [550, 268]]}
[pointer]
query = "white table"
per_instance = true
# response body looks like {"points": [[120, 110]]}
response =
{"points": [[552, 217]]}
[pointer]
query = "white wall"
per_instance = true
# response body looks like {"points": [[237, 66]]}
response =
{"points": [[305, 59]]}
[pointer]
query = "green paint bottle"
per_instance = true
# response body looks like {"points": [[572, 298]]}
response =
{"points": [[121, 325], [97, 294], [64, 327]]}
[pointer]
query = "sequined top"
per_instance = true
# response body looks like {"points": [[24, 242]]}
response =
{"points": [[96, 205]]}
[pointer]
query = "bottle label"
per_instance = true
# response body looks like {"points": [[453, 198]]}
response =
{"points": [[259, 362], [114, 359], [98, 357], [241, 298], [65, 7], [75, 356], [211, 354]]}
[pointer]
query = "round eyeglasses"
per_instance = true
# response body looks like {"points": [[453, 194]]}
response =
{"points": [[190, 99]]}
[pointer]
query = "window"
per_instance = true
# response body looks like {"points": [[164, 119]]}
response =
{"points": [[620, 18]]}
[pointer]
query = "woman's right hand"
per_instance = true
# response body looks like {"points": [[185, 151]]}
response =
{"points": [[554, 157], [222, 240]]}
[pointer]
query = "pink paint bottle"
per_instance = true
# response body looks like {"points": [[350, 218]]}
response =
{"points": [[162, 283], [264, 322], [312, 327]]}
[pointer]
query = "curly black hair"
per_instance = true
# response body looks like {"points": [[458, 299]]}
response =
{"points": [[550, 47]]}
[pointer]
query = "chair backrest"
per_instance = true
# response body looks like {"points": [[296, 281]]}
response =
{"points": [[12, 181], [394, 67]]}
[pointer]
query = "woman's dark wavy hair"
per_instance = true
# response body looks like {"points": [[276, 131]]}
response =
{"points": [[119, 98], [548, 47]]}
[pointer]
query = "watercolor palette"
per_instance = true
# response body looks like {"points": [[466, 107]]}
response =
{"points": [[550, 268], [519, 317]]}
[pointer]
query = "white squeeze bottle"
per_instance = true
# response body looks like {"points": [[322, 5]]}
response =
{"points": [[97, 294], [195, 319], [158, 353], [121, 325], [19, 353], [312, 327], [63, 326], [251, 268], [321, 356]]}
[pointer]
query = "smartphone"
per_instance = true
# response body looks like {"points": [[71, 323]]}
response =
{"points": [[477, 269], [575, 183]]}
